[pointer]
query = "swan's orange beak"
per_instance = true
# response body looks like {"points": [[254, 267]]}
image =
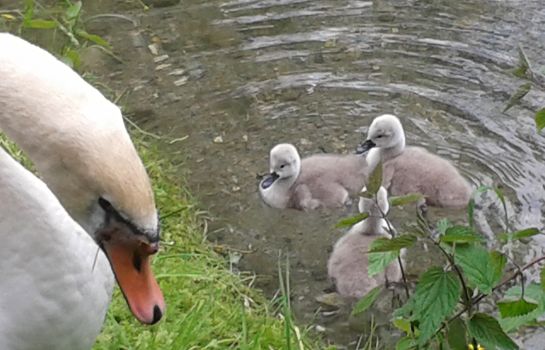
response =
{"points": [[131, 263]]}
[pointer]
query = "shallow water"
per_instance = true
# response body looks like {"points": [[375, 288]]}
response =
{"points": [[243, 75]]}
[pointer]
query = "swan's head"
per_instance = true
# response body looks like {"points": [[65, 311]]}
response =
{"points": [[284, 163], [99, 178], [385, 131], [368, 205], [79, 144]]}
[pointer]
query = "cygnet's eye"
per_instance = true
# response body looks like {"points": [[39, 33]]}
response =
{"points": [[282, 166], [380, 136]]}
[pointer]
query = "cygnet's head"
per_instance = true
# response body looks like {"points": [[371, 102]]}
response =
{"points": [[368, 205], [385, 131], [284, 163]]}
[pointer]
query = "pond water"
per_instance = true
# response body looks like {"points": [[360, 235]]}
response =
{"points": [[227, 80]]}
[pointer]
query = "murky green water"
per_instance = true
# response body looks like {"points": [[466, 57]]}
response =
{"points": [[233, 78]]}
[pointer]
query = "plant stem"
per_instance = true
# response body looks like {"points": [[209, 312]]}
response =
{"points": [[469, 303]]}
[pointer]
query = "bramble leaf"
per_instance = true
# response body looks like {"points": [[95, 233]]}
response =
{"points": [[532, 292], [436, 296], [367, 301], [498, 263], [350, 221], [516, 308], [460, 234], [489, 333], [527, 232], [456, 335], [476, 263], [379, 261], [394, 244]]}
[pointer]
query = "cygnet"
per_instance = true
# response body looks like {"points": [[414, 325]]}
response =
{"points": [[348, 264], [413, 169], [318, 181]]}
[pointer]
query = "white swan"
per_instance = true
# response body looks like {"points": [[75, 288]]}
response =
{"points": [[413, 169], [321, 180], [348, 264], [77, 140], [52, 294]]}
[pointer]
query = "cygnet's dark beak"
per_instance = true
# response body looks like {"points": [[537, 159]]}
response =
{"points": [[269, 180], [364, 147]]}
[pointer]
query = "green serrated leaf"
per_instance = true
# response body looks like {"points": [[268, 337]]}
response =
{"points": [[528, 232], [533, 292], [442, 225], [379, 261], [347, 222], [542, 277], [367, 301], [436, 296], [394, 244], [518, 95], [406, 199], [515, 308], [540, 119], [456, 335], [406, 343], [460, 234], [476, 262], [489, 333], [498, 264], [40, 24], [375, 179], [93, 38]]}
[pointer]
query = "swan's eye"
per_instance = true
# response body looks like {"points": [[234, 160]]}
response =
{"points": [[105, 205]]}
